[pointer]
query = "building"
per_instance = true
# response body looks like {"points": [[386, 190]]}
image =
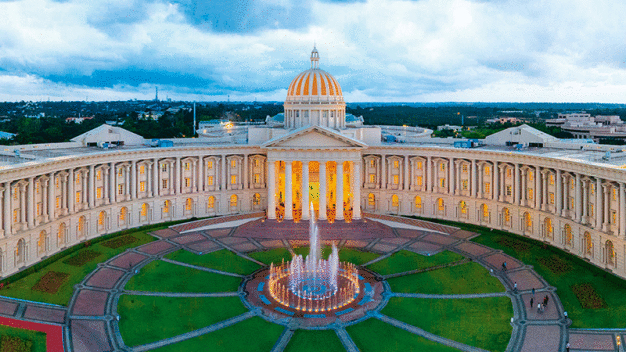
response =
{"points": [[584, 126], [567, 194], [449, 127], [504, 119]]}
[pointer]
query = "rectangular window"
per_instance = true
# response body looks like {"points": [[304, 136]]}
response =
{"points": [[164, 184], [396, 164], [142, 169], [487, 171], [592, 189], [142, 186], [187, 166], [257, 178], [233, 179], [372, 178], [233, 163], [37, 187], [571, 183], [38, 209], [551, 179], [15, 194], [487, 187], [99, 192], [509, 173], [571, 203], [509, 190], [15, 215], [164, 167], [464, 169], [590, 209], [209, 164], [58, 202], [442, 166], [256, 163], [396, 179], [120, 189], [530, 176], [551, 198], [530, 194], [77, 178], [419, 180], [614, 193], [419, 165], [99, 175], [56, 182], [120, 172], [442, 182], [464, 185], [187, 182], [210, 181], [78, 197], [613, 217]]}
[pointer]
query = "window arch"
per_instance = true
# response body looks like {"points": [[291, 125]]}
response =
{"points": [[610, 253], [82, 227], [188, 206], [123, 216], [568, 234], [549, 228], [440, 206], [20, 251], [528, 222], [143, 214], [418, 203], [506, 217], [211, 202], [61, 235], [166, 207], [463, 209], [588, 242], [371, 200], [101, 221], [233, 200], [395, 201], [256, 199], [484, 213], [42, 243]]}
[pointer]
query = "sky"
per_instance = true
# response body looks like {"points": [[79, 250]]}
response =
{"points": [[378, 50]]}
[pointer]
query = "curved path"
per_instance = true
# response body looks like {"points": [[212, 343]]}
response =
{"points": [[92, 312]]}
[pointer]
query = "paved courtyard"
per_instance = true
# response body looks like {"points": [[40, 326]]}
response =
{"points": [[90, 322]]}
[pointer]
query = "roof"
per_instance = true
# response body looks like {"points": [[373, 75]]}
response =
{"points": [[314, 137], [107, 133]]}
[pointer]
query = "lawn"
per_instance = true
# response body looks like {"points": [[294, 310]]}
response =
{"points": [[146, 319], [314, 341], [162, 276], [224, 260], [479, 322], [404, 261], [254, 334], [567, 273], [465, 278], [373, 335], [356, 256], [22, 288], [37, 339], [269, 256]]}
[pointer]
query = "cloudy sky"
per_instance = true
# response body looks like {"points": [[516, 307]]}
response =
{"points": [[379, 50]]}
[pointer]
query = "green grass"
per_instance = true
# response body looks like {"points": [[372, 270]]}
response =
{"points": [[224, 260], [254, 334], [37, 338], [563, 271], [275, 255], [356, 256], [146, 319], [479, 322], [465, 278], [314, 341], [373, 335], [21, 288], [162, 276], [404, 261]]}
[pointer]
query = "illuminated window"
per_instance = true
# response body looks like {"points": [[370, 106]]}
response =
{"points": [[233, 179], [418, 202], [371, 200], [37, 187], [78, 197], [419, 180], [530, 176], [509, 173], [233, 200], [507, 215], [395, 201], [396, 164], [164, 167], [257, 178], [440, 204], [487, 170], [58, 202], [142, 169], [530, 194], [442, 166], [463, 207], [144, 209], [549, 228], [590, 209], [166, 206], [99, 175], [614, 193], [487, 187], [509, 190], [209, 164], [120, 189], [120, 171], [164, 184], [99, 192], [551, 198], [372, 163], [396, 179], [256, 163], [142, 186], [187, 166], [613, 217], [419, 165], [442, 182], [211, 202], [256, 199], [101, 219], [56, 182], [123, 212], [233, 163], [188, 204], [372, 178], [551, 179], [77, 177], [38, 210], [571, 202], [15, 194], [464, 185], [485, 211], [571, 183], [592, 189], [15, 215], [210, 181], [187, 182], [465, 168]]}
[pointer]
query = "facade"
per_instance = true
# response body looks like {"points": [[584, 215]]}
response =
{"points": [[57, 195], [584, 126]]}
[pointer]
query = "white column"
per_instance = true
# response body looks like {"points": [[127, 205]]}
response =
{"points": [[578, 199], [223, 174], [473, 185], [7, 205], [481, 181], [598, 205], [323, 191], [502, 184], [607, 207], [544, 190], [356, 185], [149, 167], [64, 194], [271, 189], [565, 181], [92, 186], [494, 182], [428, 174], [179, 177], [339, 190], [406, 173], [44, 200], [451, 177], [127, 182], [383, 169], [585, 204], [200, 174], [156, 171], [538, 191], [71, 195], [288, 190], [112, 183], [133, 179], [458, 167], [305, 191], [30, 208], [246, 176], [516, 186], [559, 193], [51, 200], [621, 215]]}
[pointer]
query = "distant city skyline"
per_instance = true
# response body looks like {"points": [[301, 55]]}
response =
{"points": [[379, 51]]}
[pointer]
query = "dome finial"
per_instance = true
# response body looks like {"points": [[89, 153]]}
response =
{"points": [[315, 58]]}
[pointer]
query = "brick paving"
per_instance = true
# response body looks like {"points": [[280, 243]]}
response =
{"points": [[542, 338], [496, 260], [155, 247], [127, 260], [105, 278], [473, 249], [7, 308], [526, 280], [596, 342], [440, 239], [425, 248], [90, 335], [90, 303], [44, 314]]}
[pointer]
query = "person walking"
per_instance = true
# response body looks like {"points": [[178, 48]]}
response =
{"points": [[515, 287], [538, 307], [545, 300], [533, 292], [567, 347], [532, 300]]}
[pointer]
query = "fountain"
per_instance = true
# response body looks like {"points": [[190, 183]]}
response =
{"points": [[314, 284]]}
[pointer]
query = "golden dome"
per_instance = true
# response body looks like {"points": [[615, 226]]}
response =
{"points": [[314, 84]]}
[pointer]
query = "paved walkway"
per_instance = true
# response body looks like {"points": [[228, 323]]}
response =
{"points": [[90, 321]]}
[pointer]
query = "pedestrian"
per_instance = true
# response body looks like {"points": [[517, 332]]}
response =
{"points": [[533, 292], [545, 300], [538, 307], [531, 302], [515, 287], [567, 347]]}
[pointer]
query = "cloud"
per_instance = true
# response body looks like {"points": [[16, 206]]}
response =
{"points": [[380, 50]]}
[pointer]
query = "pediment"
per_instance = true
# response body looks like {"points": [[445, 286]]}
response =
{"points": [[314, 137]]}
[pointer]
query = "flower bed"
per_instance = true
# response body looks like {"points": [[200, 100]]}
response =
{"points": [[588, 297]]}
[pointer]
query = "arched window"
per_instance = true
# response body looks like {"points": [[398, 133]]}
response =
{"points": [[588, 244], [61, 235], [528, 222], [506, 216], [395, 201], [82, 227], [144, 210], [418, 202], [123, 214], [463, 209], [41, 243], [568, 234], [211, 202], [20, 251], [485, 212], [233, 200], [610, 253], [188, 204], [549, 228], [440, 205], [256, 199], [371, 200], [166, 206]]}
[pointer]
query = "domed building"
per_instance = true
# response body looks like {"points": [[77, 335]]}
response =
{"points": [[563, 193]]}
